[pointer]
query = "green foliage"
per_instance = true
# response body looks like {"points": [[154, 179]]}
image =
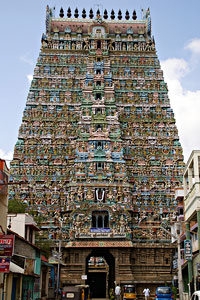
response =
{"points": [[15, 206], [37, 217], [175, 292], [42, 241]]}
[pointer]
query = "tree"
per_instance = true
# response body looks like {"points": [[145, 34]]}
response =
{"points": [[45, 244], [15, 206]]}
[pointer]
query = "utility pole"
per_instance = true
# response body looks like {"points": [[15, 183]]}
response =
{"points": [[180, 277], [187, 231], [59, 259]]}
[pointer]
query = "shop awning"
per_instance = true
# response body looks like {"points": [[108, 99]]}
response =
{"points": [[15, 268]]}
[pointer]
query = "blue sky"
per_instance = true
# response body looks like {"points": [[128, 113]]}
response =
{"points": [[175, 26]]}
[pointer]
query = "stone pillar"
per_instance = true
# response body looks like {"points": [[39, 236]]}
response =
{"points": [[196, 168], [185, 178], [9, 282], [103, 221], [196, 173], [190, 178], [189, 262]]}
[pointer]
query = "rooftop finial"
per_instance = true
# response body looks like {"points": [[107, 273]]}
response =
{"points": [[112, 16], [91, 15], [84, 13], [119, 14], [61, 13], [134, 15], [69, 14], [105, 14], [127, 15], [76, 13]]}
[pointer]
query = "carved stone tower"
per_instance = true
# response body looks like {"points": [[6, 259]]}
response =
{"points": [[98, 154]]}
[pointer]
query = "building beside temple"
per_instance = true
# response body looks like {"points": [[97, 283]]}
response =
{"points": [[192, 217], [4, 175], [98, 155]]}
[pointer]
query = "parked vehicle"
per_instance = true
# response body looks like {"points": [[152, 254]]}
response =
{"points": [[78, 292], [129, 292], [85, 290], [72, 293], [196, 295], [163, 293]]}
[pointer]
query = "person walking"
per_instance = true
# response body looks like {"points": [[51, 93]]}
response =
{"points": [[146, 293], [117, 292]]}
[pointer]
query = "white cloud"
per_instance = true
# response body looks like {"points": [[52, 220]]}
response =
{"points": [[194, 46], [7, 156], [27, 60], [174, 69], [185, 103], [29, 77]]}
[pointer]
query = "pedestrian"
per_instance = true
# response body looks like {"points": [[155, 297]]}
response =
{"points": [[146, 293], [117, 292]]}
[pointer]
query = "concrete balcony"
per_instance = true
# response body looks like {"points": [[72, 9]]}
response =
{"points": [[179, 193], [195, 246], [192, 201]]}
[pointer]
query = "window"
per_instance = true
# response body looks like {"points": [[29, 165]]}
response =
{"points": [[181, 211], [195, 237], [98, 96], [98, 71], [164, 291], [99, 166], [98, 110], [30, 235], [99, 145], [99, 126], [98, 83], [98, 44], [100, 219], [25, 232]]}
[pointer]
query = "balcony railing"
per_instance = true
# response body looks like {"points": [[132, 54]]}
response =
{"points": [[192, 201]]}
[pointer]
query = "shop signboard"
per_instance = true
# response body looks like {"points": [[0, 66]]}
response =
{"points": [[29, 266], [175, 261], [188, 250], [6, 245], [4, 265], [100, 230]]}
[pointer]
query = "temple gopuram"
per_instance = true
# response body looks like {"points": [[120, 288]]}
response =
{"points": [[98, 155]]}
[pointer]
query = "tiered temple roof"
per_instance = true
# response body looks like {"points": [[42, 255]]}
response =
{"points": [[98, 149]]}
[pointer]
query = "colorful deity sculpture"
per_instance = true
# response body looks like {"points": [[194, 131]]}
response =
{"points": [[98, 142]]}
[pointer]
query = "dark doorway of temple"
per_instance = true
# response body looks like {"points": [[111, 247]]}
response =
{"points": [[97, 283], [100, 268]]}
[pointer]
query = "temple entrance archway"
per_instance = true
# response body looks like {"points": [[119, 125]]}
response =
{"points": [[100, 270]]}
